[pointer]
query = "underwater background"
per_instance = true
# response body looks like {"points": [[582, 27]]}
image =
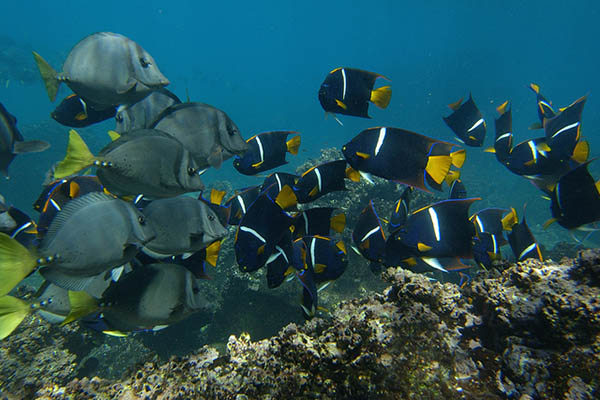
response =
{"points": [[263, 63]]}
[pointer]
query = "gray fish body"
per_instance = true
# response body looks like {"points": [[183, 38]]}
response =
{"points": [[157, 294], [149, 162], [90, 235], [7, 223], [109, 69], [11, 141], [182, 225], [143, 113], [207, 132]]}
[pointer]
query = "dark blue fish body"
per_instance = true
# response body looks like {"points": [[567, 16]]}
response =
{"points": [[320, 180], [368, 235], [326, 257], [280, 179], [467, 122], [401, 211], [318, 221], [266, 151], [240, 202], [523, 243], [503, 143], [563, 131], [76, 112], [544, 107]]}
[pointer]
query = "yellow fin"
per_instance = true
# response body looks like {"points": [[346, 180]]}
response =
{"points": [[381, 97], [451, 177], [114, 135], [12, 312], [352, 174], [411, 262], [549, 222], [216, 196], [319, 268], [438, 167], [258, 164], [423, 247], [340, 245], [458, 158], [342, 105], [510, 220], [535, 87], [78, 157], [82, 304], [489, 150], [293, 145], [49, 76], [581, 151], [314, 191], [260, 250], [73, 190], [337, 223], [81, 116], [529, 163], [212, 253], [543, 147], [16, 262], [455, 106], [502, 107], [363, 155], [286, 198]]}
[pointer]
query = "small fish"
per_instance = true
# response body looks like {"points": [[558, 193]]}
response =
{"points": [[105, 68], [319, 221], [266, 151], [12, 142], [401, 210], [56, 195], [280, 179], [322, 179], [144, 161], [563, 131], [486, 249], [348, 91], [280, 264], [261, 228], [494, 221], [503, 144], [73, 111], [310, 293], [575, 199], [205, 131], [544, 107], [18, 225], [326, 256], [523, 243], [368, 235], [146, 299], [142, 114], [240, 202], [77, 247], [181, 225], [403, 156], [467, 122]]}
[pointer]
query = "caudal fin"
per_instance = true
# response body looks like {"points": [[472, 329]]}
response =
{"points": [[78, 157], [458, 158], [48, 76], [381, 97], [293, 145], [82, 304], [12, 312], [16, 262], [438, 167]]}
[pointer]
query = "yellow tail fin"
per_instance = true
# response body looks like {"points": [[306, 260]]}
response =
{"points": [[510, 220], [293, 145], [438, 167], [48, 76], [338, 223], [502, 107], [78, 157], [212, 253], [286, 198], [16, 262], [12, 312], [216, 196], [82, 304], [581, 152], [451, 177], [381, 96], [352, 174], [458, 158]]}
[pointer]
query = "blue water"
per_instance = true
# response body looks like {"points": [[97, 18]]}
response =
{"points": [[263, 62]]}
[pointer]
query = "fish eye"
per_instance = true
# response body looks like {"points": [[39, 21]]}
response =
{"points": [[192, 171], [142, 220], [211, 217], [119, 117], [144, 63]]}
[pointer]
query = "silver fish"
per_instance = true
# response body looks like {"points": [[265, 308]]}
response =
{"points": [[182, 225], [106, 69], [143, 113], [90, 235], [12, 142], [207, 132]]}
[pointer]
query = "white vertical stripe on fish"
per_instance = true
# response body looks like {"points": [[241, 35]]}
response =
{"points": [[380, 139], [253, 232], [368, 234], [527, 250], [344, 78], [318, 178], [573, 125], [260, 149], [434, 222], [242, 204], [476, 124]]}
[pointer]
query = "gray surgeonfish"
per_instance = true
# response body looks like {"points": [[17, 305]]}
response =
{"points": [[90, 235], [207, 132], [145, 161], [143, 113], [107, 69], [148, 298], [182, 225], [12, 142]]}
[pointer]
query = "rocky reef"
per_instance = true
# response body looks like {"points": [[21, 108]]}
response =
{"points": [[523, 331]]}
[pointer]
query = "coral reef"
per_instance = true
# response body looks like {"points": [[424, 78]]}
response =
{"points": [[530, 331]]}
